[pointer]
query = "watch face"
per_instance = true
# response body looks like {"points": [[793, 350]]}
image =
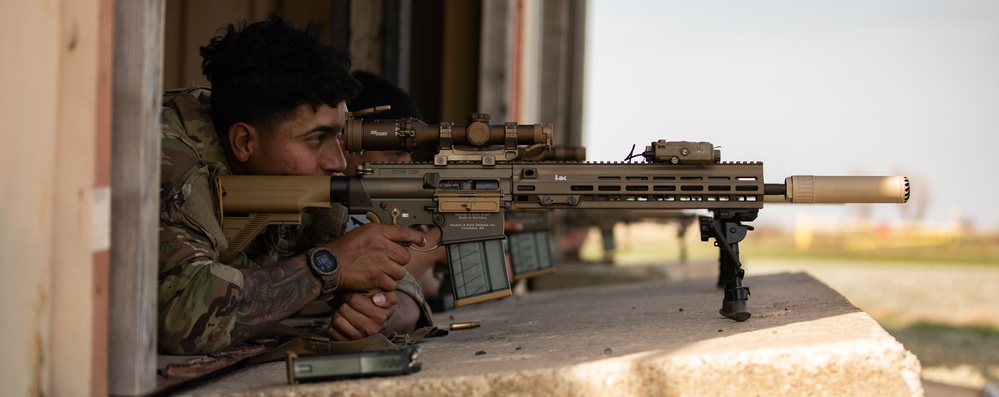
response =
{"points": [[324, 261]]}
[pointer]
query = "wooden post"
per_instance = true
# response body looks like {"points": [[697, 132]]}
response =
{"points": [[102, 191], [561, 69], [460, 65], [396, 47], [135, 154], [29, 75], [496, 59]]}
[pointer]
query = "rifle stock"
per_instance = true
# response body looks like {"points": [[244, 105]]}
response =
{"points": [[249, 204]]}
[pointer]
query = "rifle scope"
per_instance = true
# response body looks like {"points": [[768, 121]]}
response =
{"points": [[408, 134]]}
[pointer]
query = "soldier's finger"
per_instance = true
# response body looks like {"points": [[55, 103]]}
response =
{"points": [[386, 282], [401, 234], [398, 253], [348, 320], [341, 329]]}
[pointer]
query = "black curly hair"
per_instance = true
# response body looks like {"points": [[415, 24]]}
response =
{"points": [[378, 91], [262, 72]]}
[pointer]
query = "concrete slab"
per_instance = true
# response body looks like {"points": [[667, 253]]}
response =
{"points": [[657, 338]]}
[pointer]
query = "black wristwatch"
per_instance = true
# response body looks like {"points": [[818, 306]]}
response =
{"points": [[325, 266]]}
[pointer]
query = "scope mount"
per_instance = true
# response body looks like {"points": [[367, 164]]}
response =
{"points": [[511, 150]]}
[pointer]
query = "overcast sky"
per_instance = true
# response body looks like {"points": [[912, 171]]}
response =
{"points": [[908, 87]]}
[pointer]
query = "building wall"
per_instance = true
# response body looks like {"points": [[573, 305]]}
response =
{"points": [[49, 107]]}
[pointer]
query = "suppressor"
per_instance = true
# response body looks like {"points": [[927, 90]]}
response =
{"points": [[810, 189]]}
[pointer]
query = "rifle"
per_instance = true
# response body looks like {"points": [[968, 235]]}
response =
{"points": [[482, 171]]}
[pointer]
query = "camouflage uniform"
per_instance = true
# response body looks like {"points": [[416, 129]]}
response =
{"points": [[198, 295]]}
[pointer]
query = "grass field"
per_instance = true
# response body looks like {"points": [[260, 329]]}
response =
{"points": [[651, 242]]}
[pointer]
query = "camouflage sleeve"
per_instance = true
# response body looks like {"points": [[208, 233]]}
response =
{"points": [[198, 295], [409, 286]]}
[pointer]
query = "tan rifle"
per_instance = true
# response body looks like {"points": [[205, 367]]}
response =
{"points": [[481, 172]]}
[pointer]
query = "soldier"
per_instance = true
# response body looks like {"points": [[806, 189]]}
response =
{"points": [[276, 107]]}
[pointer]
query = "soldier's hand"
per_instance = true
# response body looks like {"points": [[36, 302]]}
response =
{"points": [[360, 316], [372, 256]]}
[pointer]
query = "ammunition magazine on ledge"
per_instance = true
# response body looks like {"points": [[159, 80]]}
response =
{"points": [[483, 173]]}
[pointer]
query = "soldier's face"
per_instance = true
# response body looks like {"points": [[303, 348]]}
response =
{"points": [[309, 144]]}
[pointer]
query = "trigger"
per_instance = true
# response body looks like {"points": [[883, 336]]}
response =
{"points": [[372, 217]]}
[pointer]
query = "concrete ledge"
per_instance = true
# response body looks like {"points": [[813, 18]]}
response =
{"points": [[655, 338]]}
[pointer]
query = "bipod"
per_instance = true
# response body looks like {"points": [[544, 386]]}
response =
{"points": [[727, 229]]}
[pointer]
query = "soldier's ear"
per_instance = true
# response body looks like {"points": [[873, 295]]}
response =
{"points": [[242, 139]]}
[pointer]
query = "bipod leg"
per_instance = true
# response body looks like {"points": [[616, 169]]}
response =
{"points": [[727, 230]]}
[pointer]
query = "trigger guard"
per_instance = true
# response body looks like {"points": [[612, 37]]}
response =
{"points": [[440, 237]]}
